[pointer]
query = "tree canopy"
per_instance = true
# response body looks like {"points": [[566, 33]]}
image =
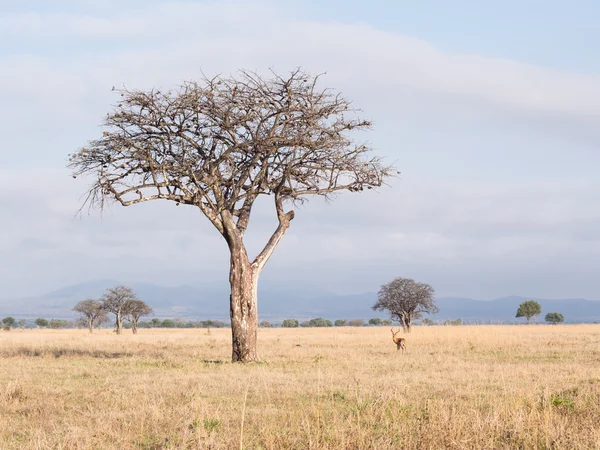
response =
{"points": [[405, 300], [529, 309], [554, 318], [93, 312]]}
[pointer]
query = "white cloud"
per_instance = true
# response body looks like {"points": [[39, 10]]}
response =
{"points": [[428, 101]]}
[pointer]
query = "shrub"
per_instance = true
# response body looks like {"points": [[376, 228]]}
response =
{"points": [[58, 323], [554, 318], [41, 322], [8, 323], [356, 323], [290, 323], [340, 323], [375, 321]]}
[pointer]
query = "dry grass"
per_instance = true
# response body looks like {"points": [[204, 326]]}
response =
{"points": [[485, 387]]}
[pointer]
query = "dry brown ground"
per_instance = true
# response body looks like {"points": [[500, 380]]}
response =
{"points": [[471, 387]]}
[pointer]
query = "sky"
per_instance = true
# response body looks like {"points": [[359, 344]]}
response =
{"points": [[490, 111]]}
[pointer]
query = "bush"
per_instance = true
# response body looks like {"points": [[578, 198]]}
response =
{"points": [[356, 323], [265, 324], [41, 322], [290, 323], [375, 321], [386, 323], [8, 323], [554, 318], [167, 323], [340, 323], [57, 323], [453, 322]]}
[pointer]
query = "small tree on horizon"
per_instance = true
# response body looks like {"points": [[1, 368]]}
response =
{"points": [[554, 318], [340, 323], [41, 322], [92, 312], [406, 299], [375, 321], [529, 309], [8, 323], [356, 323], [134, 310], [265, 324], [290, 323], [221, 143]]}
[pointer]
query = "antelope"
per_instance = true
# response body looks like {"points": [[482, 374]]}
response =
{"points": [[399, 341]]}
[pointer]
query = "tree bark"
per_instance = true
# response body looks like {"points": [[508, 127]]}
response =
{"points": [[119, 323], [134, 326], [91, 326], [243, 278]]}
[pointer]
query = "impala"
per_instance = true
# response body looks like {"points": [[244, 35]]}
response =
{"points": [[399, 341]]}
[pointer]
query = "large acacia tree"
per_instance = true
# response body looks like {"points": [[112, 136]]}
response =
{"points": [[220, 143], [406, 300]]}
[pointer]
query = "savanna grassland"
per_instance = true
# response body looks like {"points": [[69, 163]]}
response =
{"points": [[467, 387]]}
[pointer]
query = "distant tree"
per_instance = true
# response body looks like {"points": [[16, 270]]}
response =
{"points": [[168, 323], [265, 324], [21, 324], [8, 322], [305, 324], [453, 322], [135, 309], [92, 312], [117, 301], [41, 322], [340, 323], [426, 321], [375, 321], [356, 323], [529, 309], [156, 322], [212, 324], [58, 323], [554, 318], [319, 322], [290, 323], [386, 322], [218, 145], [406, 300]]}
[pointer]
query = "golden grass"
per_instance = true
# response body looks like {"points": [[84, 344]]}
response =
{"points": [[471, 387]]}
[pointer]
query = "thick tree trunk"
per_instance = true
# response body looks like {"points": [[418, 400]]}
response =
{"points": [[406, 322], [119, 323], [134, 326], [243, 278], [91, 326]]}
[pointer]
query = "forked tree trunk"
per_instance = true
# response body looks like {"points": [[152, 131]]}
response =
{"points": [[406, 322], [243, 279]]}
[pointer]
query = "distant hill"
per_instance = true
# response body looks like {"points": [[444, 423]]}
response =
{"points": [[279, 302]]}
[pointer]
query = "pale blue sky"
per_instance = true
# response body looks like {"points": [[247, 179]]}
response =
{"points": [[491, 110]]}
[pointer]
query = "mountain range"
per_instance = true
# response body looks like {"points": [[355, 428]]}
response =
{"points": [[280, 302]]}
